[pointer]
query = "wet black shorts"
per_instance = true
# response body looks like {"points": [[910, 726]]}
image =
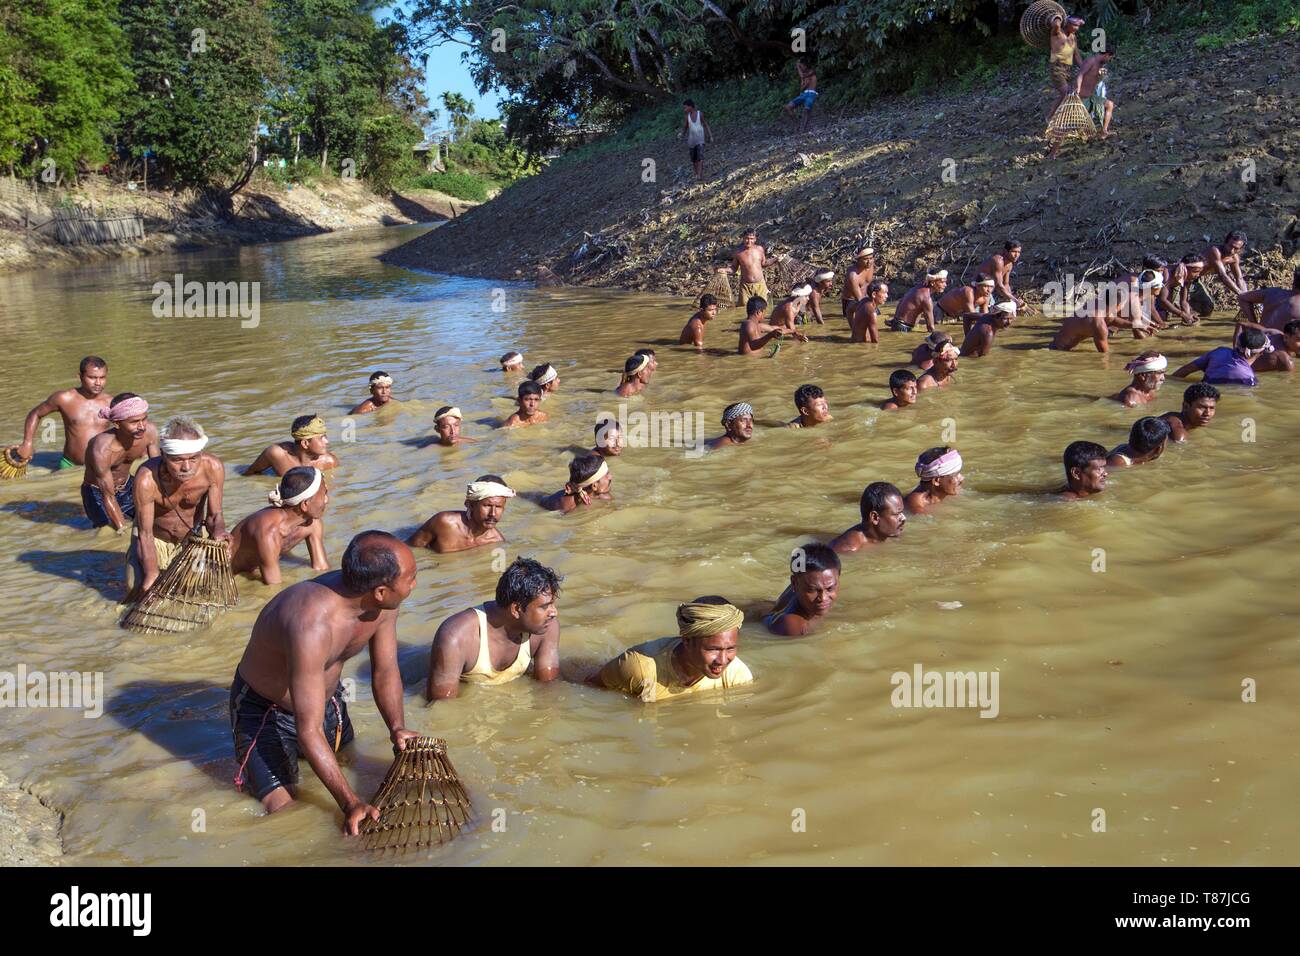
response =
{"points": [[92, 500], [266, 737], [697, 154]]}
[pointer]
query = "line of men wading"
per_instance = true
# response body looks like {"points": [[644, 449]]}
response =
{"points": [[286, 699]]}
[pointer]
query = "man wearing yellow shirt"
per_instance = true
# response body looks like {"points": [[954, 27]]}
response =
{"points": [[702, 656], [500, 640]]}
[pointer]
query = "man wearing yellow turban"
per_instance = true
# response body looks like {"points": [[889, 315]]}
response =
{"points": [[308, 449], [702, 657]]}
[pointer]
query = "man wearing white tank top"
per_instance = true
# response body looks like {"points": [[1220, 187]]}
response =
{"points": [[697, 132]]}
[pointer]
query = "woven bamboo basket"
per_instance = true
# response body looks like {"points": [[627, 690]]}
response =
{"points": [[11, 466], [189, 593], [1071, 119], [720, 288], [1036, 23], [421, 802]]}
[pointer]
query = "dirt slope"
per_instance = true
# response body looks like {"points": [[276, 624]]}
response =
{"points": [[1185, 125]]}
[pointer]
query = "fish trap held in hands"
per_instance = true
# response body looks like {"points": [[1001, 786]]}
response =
{"points": [[1071, 119], [1036, 23], [421, 802], [190, 591], [11, 466]]}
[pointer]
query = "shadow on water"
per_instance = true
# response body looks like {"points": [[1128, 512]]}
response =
{"points": [[100, 571], [49, 512]]}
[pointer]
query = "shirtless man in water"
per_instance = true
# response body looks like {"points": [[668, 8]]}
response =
{"points": [[821, 284], [918, 302], [789, 309], [500, 640], [998, 267], [810, 402], [106, 487], [1277, 306], [1148, 371], [485, 505], [965, 303], [286, 700], [940, 372], [308, 449], [609, 438], [446, 425], [754, 332], [738, 421], [902, 390], [530, 412], [979, 337], [1146, 442], [173, 493], [883, 518], [1200, 401], [693, 332], [864, 323], [749, 261], [636, 374], [79, 408], [297, 506], [940, 472], [859, 276], [1119, 305], [381, 394], [814, 585], [589, 480], [1085, 471]]}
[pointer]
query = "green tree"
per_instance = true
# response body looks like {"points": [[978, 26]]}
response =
{"points": [[460, 110]]}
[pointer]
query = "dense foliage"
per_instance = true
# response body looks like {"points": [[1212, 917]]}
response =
{"points": [[198, 92]]}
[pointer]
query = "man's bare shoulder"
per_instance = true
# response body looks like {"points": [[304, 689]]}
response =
{"points": [[457, 628]]}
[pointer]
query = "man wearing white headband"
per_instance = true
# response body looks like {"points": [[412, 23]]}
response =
{"points": [[785, 315], [1148, 371], [998, 267], [381, 394], [939, 471], [446, 424], [512, 362], [864, 323], [297, 505], [857, 278], [636, 374], [738, 420], [546, 378], [485, 506], [107, 486], [965, 303], [173, 494], [308, 448], [589, 480], [918, 302], [1231, 366], [979, 339], [821, 284], [940, 372]]}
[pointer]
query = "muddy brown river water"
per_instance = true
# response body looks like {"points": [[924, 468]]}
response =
{"points": [[1120, 690]]}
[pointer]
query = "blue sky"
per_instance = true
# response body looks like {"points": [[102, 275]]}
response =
{"points": [[443, 71]]}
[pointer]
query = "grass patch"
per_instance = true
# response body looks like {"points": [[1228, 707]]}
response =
{"points": [[465, 186]]}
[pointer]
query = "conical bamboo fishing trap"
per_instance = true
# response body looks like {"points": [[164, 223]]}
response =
{"points": [[11, 466], [1071, 119], [1036, 23], [720, 287], [421, 802], [791, 271], [189, 593]]}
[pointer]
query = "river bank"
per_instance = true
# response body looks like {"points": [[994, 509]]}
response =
{"points": [[1202, 144], [264, 210], [29, 830]]}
